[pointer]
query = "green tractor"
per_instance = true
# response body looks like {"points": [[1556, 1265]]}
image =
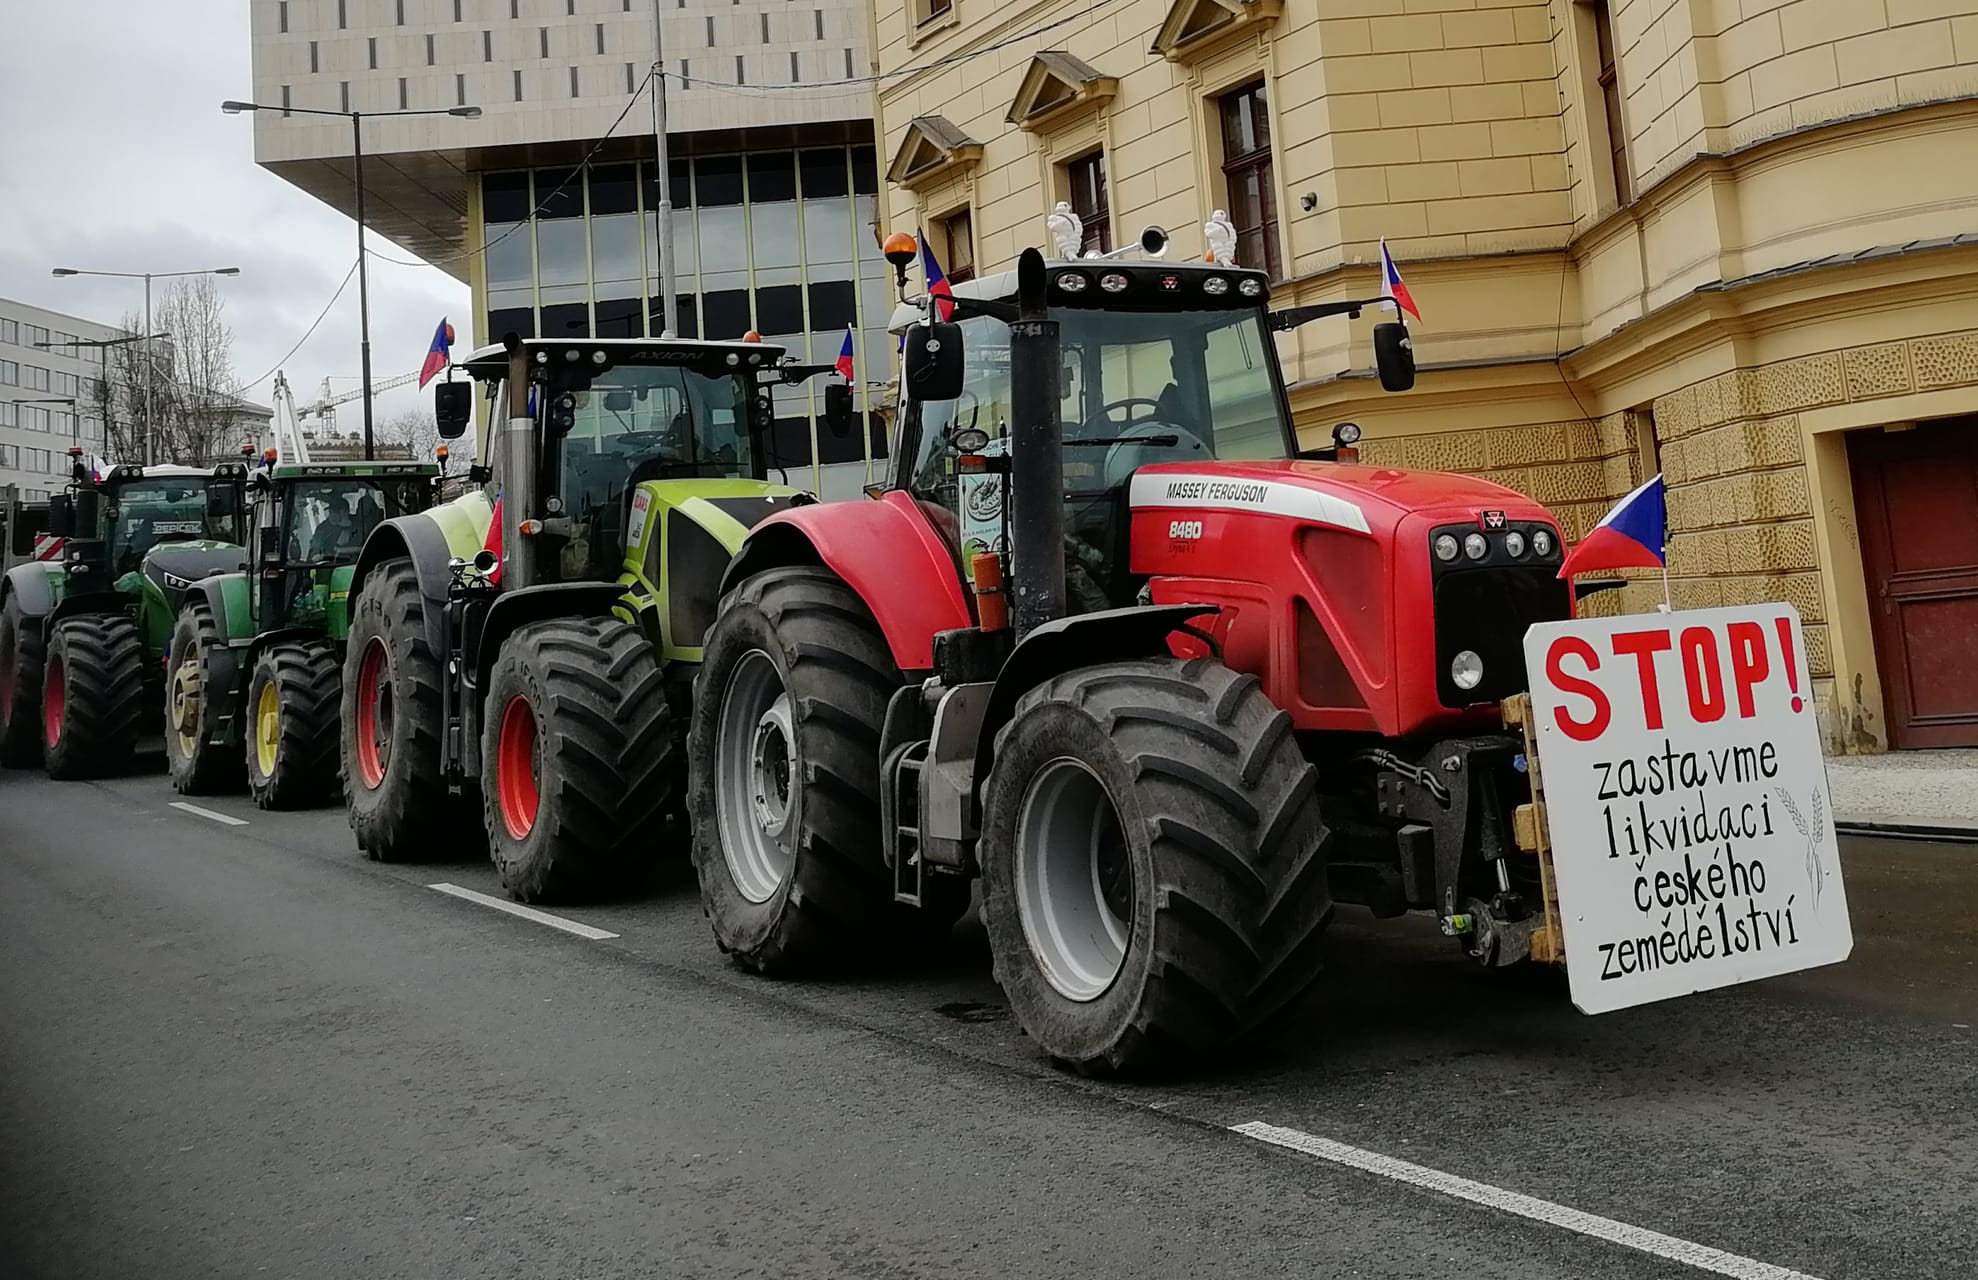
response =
{"points": [[253, 670], [82, 638], [536, 655]]}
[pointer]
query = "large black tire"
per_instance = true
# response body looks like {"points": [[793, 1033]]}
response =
{"points": [[20, 689], [826, 897], [1217, 818], [397, 798], [198, 765], [576, 759], [292, 759], [92, 696]]}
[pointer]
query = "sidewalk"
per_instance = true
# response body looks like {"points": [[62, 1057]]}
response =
{"points": [[1909, 789]]}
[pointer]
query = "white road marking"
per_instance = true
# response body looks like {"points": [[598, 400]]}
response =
{"points": [[198, 812], [1671, 1248], [527, 913]]}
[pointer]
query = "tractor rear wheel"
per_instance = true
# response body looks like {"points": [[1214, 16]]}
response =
{"points": [[391, 722], [1154, 871], [784, 778], [92, 695], [198, 765], [291, 718], [576, 759], [20, 689]]}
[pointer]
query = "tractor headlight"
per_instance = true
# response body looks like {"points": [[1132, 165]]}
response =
{"points": [[1476, 546], [1514, 542], [1445, 546], [1541, 542], [1466, 670], [1071, 281], [1216, 286], [1113, 282], [1251, 288]]}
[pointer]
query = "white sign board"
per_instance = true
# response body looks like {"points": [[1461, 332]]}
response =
{"points": [[1686, 798]]}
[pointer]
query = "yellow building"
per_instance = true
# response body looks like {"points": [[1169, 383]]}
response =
{"points": [[1733, 241]]}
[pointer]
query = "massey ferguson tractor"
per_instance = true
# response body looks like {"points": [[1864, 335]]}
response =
{"points": [[83, 637], [256, 658], [534, 654], [1109, 643]]}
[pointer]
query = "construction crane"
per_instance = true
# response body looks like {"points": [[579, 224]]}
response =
{"points": [[325, 407]]}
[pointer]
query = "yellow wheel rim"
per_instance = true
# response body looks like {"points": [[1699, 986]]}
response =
{"points": [[185, 694], [267, 728]]}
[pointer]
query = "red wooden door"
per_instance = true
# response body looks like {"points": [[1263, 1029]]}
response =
{"points": [[1916, 493]]}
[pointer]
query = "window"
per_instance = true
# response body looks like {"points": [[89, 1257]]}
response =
{"points": [[10, 374], [740, 77], [456, 10], [795, 75], [10, 331], [340, 15], [429, 49], [518, 84], [849, 73], [573, 82], [343, 88], [281, 17], [372, 43], [958, 237], [765, 27], [514, 8], [315, 64], [37, 377], [35, 333], [285, 110], [932, 9], [542, 38], [1247, 173], [403, 93], [710, 31], [570, 7], [600, 31], [460, 90], [487, 46], [399, 14], [817, 18], [631, 84], [1610, 97], [1086, 178]]}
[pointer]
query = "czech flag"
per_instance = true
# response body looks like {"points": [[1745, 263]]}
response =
{"points": [[1631, 536], [1395, 286], [437, 355], [845, 358], [937, 283]]}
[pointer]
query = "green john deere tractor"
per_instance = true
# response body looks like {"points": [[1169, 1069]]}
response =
{"points": [[256, 658], [536, 654], [82, 638]]}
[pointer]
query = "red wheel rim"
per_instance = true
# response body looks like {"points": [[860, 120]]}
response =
{"points": [[374, 715], [7, 677], [515, 768], [54, 699]]}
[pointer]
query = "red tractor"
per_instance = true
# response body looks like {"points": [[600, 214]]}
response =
{"points": [[1242, 682]]}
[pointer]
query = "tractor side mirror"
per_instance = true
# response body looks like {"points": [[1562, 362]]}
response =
{"points": [[223, 501], [453, 408], [83, 521], [838, 408], [268, 544], [933, 365], [1394, 356], [618, 401], [61, 516]]}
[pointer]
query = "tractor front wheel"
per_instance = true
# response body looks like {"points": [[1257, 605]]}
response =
{"points": [[390, 718], [292, 725], [92, 690], [576, 760], [20, 689], [783, 768], [198, 765], [1154, 872]]}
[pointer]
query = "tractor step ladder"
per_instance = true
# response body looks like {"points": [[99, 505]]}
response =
{"points": [[905, 784], [1529, 829]]}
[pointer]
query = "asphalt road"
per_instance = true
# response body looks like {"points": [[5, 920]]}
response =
{"points": [[240, 1050]]}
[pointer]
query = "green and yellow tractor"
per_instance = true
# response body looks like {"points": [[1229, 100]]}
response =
{"points": [[83, 632], [256, 658], [529, 648]]}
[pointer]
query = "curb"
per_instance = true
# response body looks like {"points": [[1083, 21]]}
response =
{"points": [[1942, 834]]}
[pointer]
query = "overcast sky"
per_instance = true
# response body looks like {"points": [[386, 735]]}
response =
{"points": [[114, 156]]}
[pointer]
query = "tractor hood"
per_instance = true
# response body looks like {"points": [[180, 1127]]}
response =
{"points": [[174, 566], [1370, 500]]}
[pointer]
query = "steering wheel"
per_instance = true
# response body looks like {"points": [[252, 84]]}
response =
{"points": [[642, 439], [1127, 418]]}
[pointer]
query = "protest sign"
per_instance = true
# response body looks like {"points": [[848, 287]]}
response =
{"points": [[1686, 800]]}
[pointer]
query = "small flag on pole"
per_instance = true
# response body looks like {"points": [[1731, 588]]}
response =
{"points": [[1631, 536], [845, 358], [937, 283], [1394, 285], [437, 355]]}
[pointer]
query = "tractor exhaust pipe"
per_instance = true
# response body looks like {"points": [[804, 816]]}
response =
{"points": [[517, 474], [1037, 466]]}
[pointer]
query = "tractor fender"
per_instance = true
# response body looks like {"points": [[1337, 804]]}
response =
{"points": [[30, 584], [1111, 635], [78, 603], [225, 594], [518, 607], [420, 540], [886, 551]]}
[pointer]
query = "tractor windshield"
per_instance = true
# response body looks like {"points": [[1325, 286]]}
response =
{"points": [[140, 514], [636, 423], [328, 520], [1136, 387]]}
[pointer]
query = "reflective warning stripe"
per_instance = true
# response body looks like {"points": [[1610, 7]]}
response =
{"points": [[47, 548]]}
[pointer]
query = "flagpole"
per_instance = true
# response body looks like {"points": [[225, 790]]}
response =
{"points": [[1667, 605]]}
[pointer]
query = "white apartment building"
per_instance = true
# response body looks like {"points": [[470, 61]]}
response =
{"points": [[773, 174], [48, 395]]}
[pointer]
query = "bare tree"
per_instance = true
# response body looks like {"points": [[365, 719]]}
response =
{"points": [[411, 430], [194, 393]]}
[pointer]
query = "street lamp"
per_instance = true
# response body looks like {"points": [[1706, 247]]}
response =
{"points": [[150, 362], [356, 118]]}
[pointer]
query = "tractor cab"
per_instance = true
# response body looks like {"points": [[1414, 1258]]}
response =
{"points": [[310, 521], [169, 525], [1161, 362], [606, 416]]}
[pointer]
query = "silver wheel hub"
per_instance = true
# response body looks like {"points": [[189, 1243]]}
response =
{"points": [[755, 778], [1074, 880]]}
